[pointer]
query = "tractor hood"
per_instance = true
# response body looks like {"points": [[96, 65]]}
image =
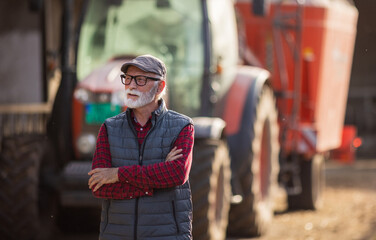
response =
{"points": [[105, 78]]}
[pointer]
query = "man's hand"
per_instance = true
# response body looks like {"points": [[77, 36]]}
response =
{"points": [[100, 176], [174, 154]]}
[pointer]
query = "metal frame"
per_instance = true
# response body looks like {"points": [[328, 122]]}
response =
{"points": [[284, 23], [285, 26], [206, 90]]}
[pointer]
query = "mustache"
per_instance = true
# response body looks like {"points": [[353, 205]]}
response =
{"points": [[134, 92]]}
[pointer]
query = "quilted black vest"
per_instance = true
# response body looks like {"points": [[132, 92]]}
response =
{"points": [[168, 213]]}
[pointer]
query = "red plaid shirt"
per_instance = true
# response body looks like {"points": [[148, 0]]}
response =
{"points": [[136, 180]]}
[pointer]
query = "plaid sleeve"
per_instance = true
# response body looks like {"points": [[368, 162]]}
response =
{"points": [[102, 159], [165, 174], [102, 154]]}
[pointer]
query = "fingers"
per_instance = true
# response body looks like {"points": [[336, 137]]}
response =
{"points": [[95, 176], [101, 176], [174, 154], [97, 186], [174, 151], [175, 157], [94, 180], [94, 171]]}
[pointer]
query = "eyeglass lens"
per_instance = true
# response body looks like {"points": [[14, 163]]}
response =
{"points": [[127, 79]]}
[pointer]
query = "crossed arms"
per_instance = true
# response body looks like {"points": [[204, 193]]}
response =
{"points": [[133, 181]]}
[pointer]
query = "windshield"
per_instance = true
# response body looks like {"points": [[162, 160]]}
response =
{"points": [[168, 29]]}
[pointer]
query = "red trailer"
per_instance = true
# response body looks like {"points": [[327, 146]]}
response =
{"points": [[308, 49]]}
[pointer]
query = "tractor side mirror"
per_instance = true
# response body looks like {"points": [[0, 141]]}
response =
{"points": [[260, 7]]}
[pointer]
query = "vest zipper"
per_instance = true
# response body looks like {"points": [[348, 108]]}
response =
{"points": [[143, 145], [141, 153]]}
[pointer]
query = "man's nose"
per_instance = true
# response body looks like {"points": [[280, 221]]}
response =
{"points": [[133, 84]]}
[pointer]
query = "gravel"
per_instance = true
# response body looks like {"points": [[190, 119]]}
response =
{"points": [[348, 212]]}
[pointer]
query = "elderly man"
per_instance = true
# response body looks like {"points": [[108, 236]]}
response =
{"points": [[142, 161]]}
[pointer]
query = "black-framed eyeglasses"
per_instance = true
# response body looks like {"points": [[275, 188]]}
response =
{"points": [[140, 80]]}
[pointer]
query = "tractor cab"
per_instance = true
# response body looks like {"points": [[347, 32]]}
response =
{"points": [[112, 32]]}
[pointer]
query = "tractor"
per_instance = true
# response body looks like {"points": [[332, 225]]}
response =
{"points": [[243, 70]]}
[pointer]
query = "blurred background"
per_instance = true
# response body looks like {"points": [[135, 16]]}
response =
{"points": [[361, 105], [23, 58], [37, 51]]}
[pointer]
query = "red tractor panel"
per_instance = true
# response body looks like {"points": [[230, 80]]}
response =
{"points": [[324, 43]]}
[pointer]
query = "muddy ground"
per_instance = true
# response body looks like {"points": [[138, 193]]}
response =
{"points": [[348, 212]]}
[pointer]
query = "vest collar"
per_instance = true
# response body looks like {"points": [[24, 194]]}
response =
{"points": [[156, 115], [161, 109], [159, 112]]}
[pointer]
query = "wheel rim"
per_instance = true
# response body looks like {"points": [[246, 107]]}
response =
{"points": [[219, 198], [265, 149]]}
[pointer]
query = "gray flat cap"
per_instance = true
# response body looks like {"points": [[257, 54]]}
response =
{"points": [[147, 63]]}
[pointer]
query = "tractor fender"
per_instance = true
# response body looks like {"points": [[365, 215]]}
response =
{"points": [[208, 127], [245, 89], [239, 112]]}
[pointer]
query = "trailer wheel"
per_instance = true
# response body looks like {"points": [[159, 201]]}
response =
{"points": [[259, 174], [313, 183], [19, 177], [211, 190]]}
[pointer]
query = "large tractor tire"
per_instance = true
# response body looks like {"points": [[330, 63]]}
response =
{"points": [[211, 190], [258, 175], [19, 177], [313, 183]]}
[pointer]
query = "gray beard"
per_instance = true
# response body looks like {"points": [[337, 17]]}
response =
{"points": [[142, 100]]}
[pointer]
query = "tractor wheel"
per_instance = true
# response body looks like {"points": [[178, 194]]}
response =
{"points": [[313, 183], [211, 190], [19, 177], [259, 174]]}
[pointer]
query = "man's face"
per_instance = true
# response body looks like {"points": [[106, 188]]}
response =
{"points": [[139, 96]]}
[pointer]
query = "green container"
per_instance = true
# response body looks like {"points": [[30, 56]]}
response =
{"points": [[97, 113]]}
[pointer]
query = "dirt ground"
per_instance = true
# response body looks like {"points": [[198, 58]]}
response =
{"points": [[348, 212]]}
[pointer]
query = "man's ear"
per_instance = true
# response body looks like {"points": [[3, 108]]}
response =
{"points": [[161, 86]]}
